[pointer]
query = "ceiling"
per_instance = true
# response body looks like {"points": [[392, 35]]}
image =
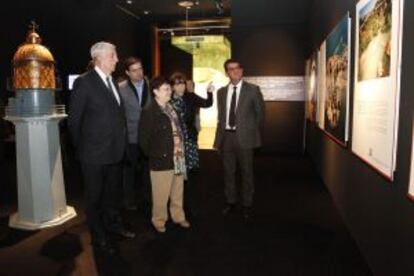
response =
{"points": [[278, 12], [169, 10], [168, 13]]}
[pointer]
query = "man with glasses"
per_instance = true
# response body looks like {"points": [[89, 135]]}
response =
{"points": [[240, 116]]}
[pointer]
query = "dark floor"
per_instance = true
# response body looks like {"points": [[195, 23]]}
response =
{"points": [[295, 230]]}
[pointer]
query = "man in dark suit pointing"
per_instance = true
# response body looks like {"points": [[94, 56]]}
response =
{"points": [[98, 129], [240, 116]]}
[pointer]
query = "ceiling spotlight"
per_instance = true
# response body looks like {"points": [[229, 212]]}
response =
{"points": [[219, 6], [129, 2], [186, 4], [146, 12]]}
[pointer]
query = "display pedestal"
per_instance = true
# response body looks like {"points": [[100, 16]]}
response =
{"points": [[41, 191]]}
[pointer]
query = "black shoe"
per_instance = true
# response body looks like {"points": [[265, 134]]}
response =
{"points": [[104, 246], [122, 232], [247, 213], [229, 208]]}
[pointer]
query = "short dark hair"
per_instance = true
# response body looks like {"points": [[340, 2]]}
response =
{"points": [[177, 76], [130, 61], [231, 60], [158, 81]]}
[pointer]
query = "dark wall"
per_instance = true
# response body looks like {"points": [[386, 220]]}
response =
{"points": [[68, 28], [376, 211], [174, 59], [267, 47]]}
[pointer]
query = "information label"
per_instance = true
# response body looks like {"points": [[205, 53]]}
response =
{"points": [[289, 88]]}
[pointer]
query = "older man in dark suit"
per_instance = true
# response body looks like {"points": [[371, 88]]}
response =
{"points": [[135, 96], [240, 116], [97, 125]]}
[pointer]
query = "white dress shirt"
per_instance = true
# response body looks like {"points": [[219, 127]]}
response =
{"points": [[228, 100], [103, 76]]}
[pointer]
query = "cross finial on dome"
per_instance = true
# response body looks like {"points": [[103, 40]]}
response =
{"points": [[33, 26], [32, 36]]}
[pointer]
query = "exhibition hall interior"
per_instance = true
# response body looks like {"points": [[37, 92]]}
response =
{"points": [[306, 169]]}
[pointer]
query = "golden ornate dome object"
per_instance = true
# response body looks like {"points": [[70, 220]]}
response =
{"points": [[33, 64]]}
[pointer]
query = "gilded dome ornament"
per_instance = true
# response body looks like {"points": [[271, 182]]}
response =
{"points": [[33, 64]]}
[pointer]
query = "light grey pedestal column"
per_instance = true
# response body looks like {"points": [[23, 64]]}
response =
{"points": [[41, 190]]}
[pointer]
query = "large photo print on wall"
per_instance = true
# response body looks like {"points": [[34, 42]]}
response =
{"points": [[411, 184], [320, 117], [375, 19], [337, 80], [311, 76], [377, 82]]}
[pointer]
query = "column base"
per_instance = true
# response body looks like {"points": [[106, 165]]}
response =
{"points": [[15, 221]]}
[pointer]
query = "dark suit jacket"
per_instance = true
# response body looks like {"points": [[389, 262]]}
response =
{"points": [[249, 116], [96, 122], [155, 138], [132, 107], [193, 103]]}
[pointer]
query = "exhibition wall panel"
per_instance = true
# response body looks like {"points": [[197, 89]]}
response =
{"points": [[411, 185], [376, 210], [337, 65], [311, 77], [377, 82]]}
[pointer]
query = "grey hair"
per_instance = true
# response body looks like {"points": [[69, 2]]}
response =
{"points": [[100, 47]]}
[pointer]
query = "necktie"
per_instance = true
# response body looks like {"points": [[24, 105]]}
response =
{"points": [[137, 90], [232, 114], [108, 83], [143, 95]]}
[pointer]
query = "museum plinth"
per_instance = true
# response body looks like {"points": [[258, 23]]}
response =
{"points": [[40, 184]]}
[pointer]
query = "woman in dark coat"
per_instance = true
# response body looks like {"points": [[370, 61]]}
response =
{"points": [[161, 138]]}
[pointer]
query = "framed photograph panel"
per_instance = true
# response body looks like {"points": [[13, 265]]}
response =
{"points": [[377, 83], [337, 67]]}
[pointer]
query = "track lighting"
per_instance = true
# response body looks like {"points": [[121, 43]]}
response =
{"points": [[220, 6]]}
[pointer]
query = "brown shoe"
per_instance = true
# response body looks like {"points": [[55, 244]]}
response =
{"points": [[160, 229], [184, 224]]}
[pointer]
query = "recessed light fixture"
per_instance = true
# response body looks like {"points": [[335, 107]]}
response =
{"points": [[129, 2], [146, 12], [219, 6], [186, 4]]}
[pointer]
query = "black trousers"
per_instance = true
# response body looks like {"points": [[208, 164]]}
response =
{"points": [[103, 194], [137, 183], [131, 176], [191, 194], [144, 184], [233, 155]]}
